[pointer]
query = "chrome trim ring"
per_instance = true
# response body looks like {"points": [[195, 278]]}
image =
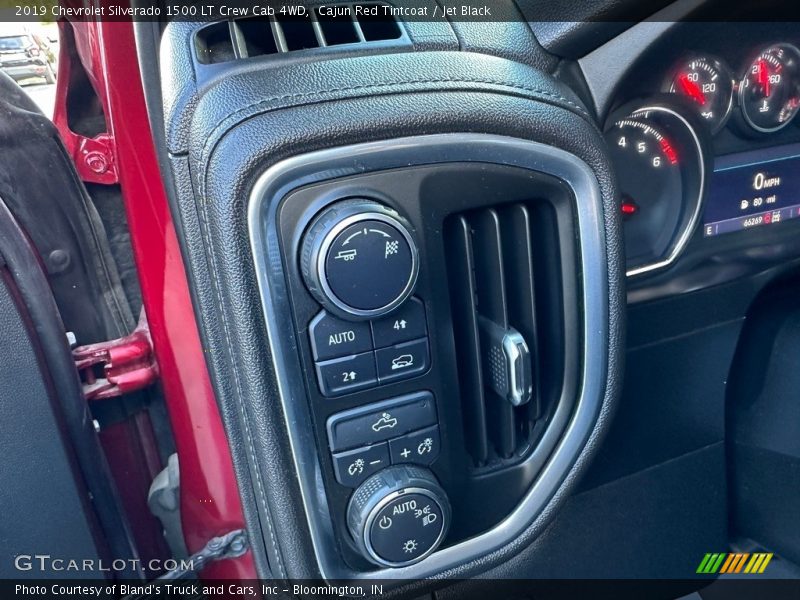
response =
{"points": [[322, 255]]}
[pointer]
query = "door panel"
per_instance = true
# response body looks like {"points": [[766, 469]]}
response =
{"points": [[53, 474]]}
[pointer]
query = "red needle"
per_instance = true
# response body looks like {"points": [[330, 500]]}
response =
{"points": [[691, 89], [763, 76]]}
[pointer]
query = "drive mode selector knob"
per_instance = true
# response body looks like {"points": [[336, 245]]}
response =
{"points": [[359, 259], [399, 516]]}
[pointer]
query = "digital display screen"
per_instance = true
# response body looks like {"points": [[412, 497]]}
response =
{"points": [[753, 189]]}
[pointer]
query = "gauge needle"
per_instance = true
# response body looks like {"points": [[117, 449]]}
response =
{"points": [[763, 76], [691, 89]]}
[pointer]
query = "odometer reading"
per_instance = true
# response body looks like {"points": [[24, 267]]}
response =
{"points": [[746, 193]]}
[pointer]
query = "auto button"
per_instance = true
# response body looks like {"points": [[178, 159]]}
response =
{"points": [[332, 337]]}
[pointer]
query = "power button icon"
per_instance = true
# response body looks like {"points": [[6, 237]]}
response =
{"points": [[385, 522]]}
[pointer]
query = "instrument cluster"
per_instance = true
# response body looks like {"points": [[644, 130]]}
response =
{"points": [[765, 96], [705, 144]]}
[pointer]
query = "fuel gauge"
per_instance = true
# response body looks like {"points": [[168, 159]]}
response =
{"points": [[708, 85], [769, 93]]}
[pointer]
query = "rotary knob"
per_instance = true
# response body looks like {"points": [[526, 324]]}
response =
{"points": [[399, 516], [359, 259]]}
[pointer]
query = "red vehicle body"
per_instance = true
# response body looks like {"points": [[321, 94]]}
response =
{"points": [[210, 503]]}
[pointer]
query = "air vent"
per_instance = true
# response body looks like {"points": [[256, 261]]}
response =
{"points": [[213, 44], [332, 25], [504, 277]]}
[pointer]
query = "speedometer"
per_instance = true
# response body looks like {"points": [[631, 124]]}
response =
{"points": [[708, 85]]}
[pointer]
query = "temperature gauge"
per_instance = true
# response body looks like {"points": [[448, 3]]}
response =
{"points": [[708, 85], [769, 93]]}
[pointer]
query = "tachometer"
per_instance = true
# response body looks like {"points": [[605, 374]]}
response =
{"points": [[649, 161], [708, 85], [659, 161], [769, 93]]}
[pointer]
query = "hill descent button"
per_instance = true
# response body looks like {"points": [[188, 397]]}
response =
{"points": [[403, 360], [381, 421]]}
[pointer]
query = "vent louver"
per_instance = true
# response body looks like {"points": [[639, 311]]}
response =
{"points": [[504, 278], [359, 25]]}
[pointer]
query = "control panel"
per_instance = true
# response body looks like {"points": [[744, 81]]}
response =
{"points": [[366, 439], [359, 262], [352, 356], [418, 326]]}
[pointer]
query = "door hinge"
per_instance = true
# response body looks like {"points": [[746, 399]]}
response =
{"points": [[117, 367]]}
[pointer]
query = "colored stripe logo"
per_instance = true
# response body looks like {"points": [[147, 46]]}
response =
{"points": [[734, 562]]}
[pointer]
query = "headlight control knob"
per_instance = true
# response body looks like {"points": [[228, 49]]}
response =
{"points": [[359, 259], [399, 516]]}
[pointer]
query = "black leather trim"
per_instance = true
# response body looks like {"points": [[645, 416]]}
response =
{"points": [[309, 83], [238, 131], [509, 36]]}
